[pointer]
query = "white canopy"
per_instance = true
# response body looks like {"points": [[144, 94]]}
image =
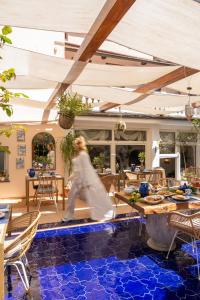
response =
{"points": [[54, 69], [166, 29], [29, 82], [62, 15], [192, 81]]}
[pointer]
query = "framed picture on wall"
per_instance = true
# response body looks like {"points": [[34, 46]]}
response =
{"points": [[19, 163], [20, 135], [21, 150]]}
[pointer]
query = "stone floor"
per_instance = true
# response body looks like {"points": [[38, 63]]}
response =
{"points": [[105, 261]]}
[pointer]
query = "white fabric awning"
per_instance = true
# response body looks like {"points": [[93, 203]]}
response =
{"points": [[54, 69], [105, 94], [192, 81], [27, 114], [62, 15], [165, 29], [29, 82]]}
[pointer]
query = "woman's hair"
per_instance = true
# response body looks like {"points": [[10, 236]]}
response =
{"points": [[80, 143]]}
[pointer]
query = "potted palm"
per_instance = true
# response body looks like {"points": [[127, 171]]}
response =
{"points": [[141, 157], [98, 162], [69, 106]]}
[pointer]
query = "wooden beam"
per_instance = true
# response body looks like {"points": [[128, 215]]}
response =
{"points": [[156, 84], [166, 79], [110, 15]]}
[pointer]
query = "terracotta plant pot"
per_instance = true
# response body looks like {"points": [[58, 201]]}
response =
{"points": [[66, 120]]}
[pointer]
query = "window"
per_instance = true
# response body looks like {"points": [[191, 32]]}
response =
{"points": [[127, 155], [167, 144], [97, 150], [187, 142], [4, 175], [188, 156], [95, 134], [130, 135]]}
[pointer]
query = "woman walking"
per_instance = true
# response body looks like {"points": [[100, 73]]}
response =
{"points": [[86, 182]]}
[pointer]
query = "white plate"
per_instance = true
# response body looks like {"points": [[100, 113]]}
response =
{"points": [[158, 199], [2, 215], [177, 199]]}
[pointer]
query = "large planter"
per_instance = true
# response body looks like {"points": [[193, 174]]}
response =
{"points": [[66, 120]]}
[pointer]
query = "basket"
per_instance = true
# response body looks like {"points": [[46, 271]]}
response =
{"points": [[65, 120]]}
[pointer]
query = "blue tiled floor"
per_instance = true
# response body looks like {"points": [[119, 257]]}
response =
{"points": [[106, 261]]}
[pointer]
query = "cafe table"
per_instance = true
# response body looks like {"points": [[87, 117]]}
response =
{"points": [[3, 227], [29, 180], [160, 234]]}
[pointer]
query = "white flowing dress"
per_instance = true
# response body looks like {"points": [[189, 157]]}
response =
{"points": [[86, 183]]}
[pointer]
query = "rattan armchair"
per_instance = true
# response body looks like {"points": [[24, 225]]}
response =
{"points": [[187, 224], [21, 222], [15, 250]]}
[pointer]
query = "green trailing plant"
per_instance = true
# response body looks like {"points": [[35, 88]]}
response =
{"points": [[71, 104], [8, 131], [68, 150], [196, 124], [5, 94]]}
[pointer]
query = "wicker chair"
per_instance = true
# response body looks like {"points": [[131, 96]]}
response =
{"points": [[15, 250], [187, 224], [21, 222], [47, 187]]}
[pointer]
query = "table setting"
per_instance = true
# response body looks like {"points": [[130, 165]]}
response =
{"points": [[147, 194]]}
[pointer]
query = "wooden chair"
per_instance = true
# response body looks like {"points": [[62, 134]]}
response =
{"points": [[109, 181], [132, 179], [15, 250], [47, 187], [187, 224]]}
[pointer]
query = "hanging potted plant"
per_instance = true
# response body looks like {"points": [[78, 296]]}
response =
{"points": [[69, 106]]}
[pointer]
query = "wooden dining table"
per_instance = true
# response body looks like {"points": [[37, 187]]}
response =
{"points": [[160, 234], [29, 180], [3, 227]]}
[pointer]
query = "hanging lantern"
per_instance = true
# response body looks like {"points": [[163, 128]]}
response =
{"points": [[120, 126], [189, 110]]}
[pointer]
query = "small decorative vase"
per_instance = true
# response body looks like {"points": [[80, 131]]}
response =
{"points": [[31, 172], [144, 189], [133, 166], [142, 167]]}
